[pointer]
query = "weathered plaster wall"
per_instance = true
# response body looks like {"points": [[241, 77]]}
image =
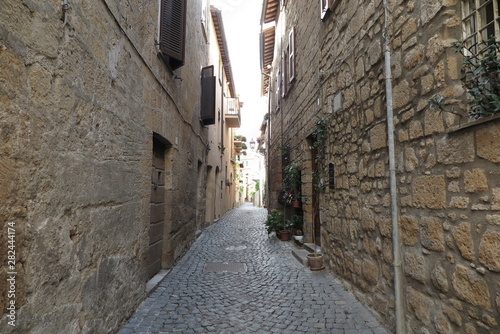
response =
{"points": [[79, 103]]}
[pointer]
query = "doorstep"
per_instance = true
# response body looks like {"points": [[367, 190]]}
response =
{"points": [[301, 256]]}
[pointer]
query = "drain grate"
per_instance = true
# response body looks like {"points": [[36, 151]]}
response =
{"points": [[222, 267]]}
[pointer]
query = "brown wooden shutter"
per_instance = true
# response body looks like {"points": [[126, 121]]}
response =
{"points": [[173, 31], [208, 89]]}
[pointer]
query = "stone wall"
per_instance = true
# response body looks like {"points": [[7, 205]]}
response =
{"points": [[447, 174], [80, 101]]}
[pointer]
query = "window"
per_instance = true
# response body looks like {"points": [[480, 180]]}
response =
{"points": [[204, 18], [278, 89], [325, 6], [291, 55], [480, 21], [173, 31], [284, 62], [208, 88]]}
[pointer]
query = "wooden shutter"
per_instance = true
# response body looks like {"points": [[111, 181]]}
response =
{"points": [[291, 55], [173, 31], [208, 89]]}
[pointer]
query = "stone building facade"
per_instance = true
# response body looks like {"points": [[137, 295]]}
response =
{"points": [[327, 72], [103, 155]]}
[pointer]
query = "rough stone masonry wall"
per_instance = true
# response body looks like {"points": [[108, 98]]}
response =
{"points": [[79, 102], [356, 226], [299, 107], [448, 181]]}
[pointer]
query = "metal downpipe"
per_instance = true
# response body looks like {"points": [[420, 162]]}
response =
{"points": [[398, 274]]}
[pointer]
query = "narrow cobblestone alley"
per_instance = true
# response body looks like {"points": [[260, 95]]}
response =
{"points": [[262, 290]]}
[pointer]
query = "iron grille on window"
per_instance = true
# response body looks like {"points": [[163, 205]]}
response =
{"points": [[480, 22]]}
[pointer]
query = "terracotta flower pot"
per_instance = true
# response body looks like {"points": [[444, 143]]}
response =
{"points": [[284, 235], [315, 261]]}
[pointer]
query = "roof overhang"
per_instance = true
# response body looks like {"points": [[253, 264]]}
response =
{"points": [[267, 41], [224, 51], [270, 9]]}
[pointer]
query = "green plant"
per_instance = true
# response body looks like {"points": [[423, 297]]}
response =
{"points": [[297, 222], [292, 183], [257, 186], [319, 135], [275, 221], [480, 77]]}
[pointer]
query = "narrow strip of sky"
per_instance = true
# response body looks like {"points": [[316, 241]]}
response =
{"points": [[242, 27]]}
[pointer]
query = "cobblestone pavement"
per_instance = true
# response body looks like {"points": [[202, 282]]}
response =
{"points": [[264, 290]]}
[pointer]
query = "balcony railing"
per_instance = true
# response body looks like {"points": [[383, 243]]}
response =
{"points": [[233, 118]]}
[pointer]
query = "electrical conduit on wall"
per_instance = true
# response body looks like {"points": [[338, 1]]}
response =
{"points": [[398, 275]]}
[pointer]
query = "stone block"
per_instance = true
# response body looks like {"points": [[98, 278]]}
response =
{"points": [[401, 94], [415, 266], [378, 136], [459, 202], [433, 122], [420, 305], [431, 234], [429, 192], [370, 271], [455, 148], [439, 277], [464, 241], [435, 48], [489, 250], [488, 142], [415, 130], [475, 180], [409, 229], [471, 287]]}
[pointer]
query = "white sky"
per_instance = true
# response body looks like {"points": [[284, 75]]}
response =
{"points": [[242, 27]]}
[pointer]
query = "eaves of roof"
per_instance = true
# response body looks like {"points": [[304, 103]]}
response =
{"points": [[224, 51]]}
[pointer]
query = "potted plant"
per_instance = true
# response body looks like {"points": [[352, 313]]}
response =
{"points": [[319, 134], [284, 229], [274, 221]]}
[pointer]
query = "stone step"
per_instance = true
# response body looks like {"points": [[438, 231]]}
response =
{"points": [[310, 247], [301, 256]]}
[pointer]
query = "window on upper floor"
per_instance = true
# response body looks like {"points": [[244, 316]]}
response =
{"points": [[288, 64], [204, 18], [173, 31], [480, 22], [325, 6], [291, 55]]}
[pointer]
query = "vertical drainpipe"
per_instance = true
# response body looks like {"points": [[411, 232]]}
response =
{"points": [[398, 275]]}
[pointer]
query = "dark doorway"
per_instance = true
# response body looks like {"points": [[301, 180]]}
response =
{"points": [[315, 198], [157, 206]]}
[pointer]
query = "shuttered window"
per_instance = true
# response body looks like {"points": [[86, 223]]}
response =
{"points": [[173, 31], [208, 89]]}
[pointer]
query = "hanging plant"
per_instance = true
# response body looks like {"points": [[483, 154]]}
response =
{"points": [[480, 77]]}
